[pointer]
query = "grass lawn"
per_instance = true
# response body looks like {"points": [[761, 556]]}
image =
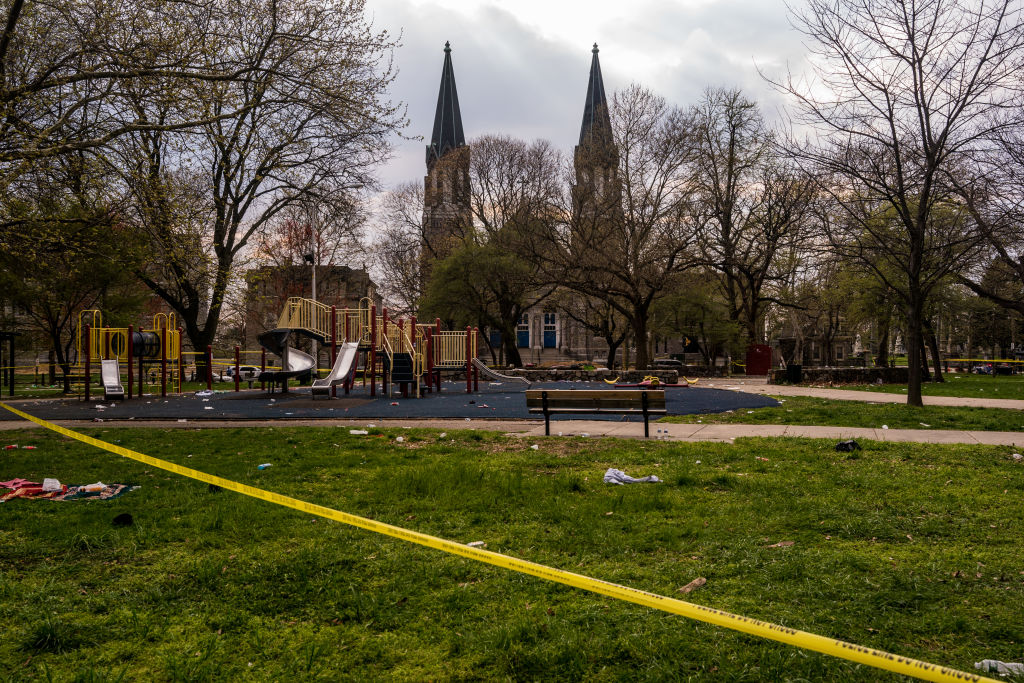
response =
{"points": [[908, 548], [959, 384], [806, 410]]}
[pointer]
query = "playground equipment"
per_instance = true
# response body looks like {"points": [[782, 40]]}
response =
{"points": [[110, 373], [343, 372], [159, 348], [497, 376], [400, 352], [294, 363]]}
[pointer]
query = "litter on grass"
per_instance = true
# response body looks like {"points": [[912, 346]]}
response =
{"points": [[847, 446], [263, 466], [614, 476], [1001, 668], [52, 489], [358, 432]]}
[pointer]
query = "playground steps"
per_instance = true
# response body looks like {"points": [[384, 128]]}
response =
{"points": [[402, 369]]}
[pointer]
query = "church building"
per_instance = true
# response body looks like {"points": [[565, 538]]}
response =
{"points": [[544, 334]]}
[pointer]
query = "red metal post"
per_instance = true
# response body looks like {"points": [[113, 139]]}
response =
{"points": [[469, 371], [347, 330], [236, 367], [373, 352], [401, 340], [142, 371], [428, 342], [88, 354], [385, 375], [476, 373], [180, 367], [437, 335], [129, 350], [163, 361], [334, 344], [209, 367]]}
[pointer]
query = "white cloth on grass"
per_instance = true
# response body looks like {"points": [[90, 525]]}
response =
{"points": [[614, 476]]}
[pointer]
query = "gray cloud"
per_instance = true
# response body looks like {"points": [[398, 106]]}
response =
{"points": [[514, 81]]}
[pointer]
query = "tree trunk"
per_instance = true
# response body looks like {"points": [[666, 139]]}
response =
{"points": [[933, 346], [926, 375], [882, 361], [643, 357], [508, 341], [913, 332], [613, 348]]}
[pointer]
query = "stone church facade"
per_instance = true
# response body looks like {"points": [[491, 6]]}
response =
{"points": [[544, 333]]}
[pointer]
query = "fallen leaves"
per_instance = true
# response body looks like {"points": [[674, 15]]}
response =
{"points": [[693, 585]]}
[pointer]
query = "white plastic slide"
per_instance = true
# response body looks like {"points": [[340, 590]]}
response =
{"points": [[110, 373], [497, 376], [343, 367], [296, 362]]}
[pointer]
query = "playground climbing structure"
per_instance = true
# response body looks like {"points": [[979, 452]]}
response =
{"points": [[156, 350], [401, 352]]}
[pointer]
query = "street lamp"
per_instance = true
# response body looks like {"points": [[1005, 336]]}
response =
{"points": [[313, 257]]}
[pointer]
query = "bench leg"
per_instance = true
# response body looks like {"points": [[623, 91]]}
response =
{"points": [[643, 402], [547, 415]]}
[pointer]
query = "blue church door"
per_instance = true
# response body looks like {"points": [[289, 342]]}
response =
{"points": [[523, 332], [550, 336]]}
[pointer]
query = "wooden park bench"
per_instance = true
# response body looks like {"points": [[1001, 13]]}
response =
{"points": [[645, 402]]}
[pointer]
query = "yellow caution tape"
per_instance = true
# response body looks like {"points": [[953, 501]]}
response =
{"points": [[763, 629]]}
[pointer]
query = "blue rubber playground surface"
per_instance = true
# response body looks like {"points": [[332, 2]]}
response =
{"points": [[494, 401]]}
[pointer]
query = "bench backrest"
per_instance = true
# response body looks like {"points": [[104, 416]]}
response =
{"points": [[596, 399]]}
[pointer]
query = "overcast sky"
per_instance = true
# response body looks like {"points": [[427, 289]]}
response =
{"points": [[521, 66]]}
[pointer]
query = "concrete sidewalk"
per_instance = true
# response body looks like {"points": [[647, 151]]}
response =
{"points": [[757, 385], [592, 428]]}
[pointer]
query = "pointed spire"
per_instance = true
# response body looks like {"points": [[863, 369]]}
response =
{"points": [[447, 133], [596, 121]]}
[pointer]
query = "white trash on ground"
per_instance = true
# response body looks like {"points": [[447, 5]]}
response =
{"points": [[1003, 668], [614, 476]]}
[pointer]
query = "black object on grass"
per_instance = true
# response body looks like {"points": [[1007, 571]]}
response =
{"points": [[847, 446]]}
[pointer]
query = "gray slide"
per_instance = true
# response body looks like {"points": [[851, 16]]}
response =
{"points": [[343, 367], [497, 376], [110, 373], [293, 361]]}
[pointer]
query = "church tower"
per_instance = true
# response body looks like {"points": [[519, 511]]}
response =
{"points": [[446, 209], [597, 192], [595, 157]]}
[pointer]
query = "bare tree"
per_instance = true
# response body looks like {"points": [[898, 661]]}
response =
{"points": [[514, 191], [902, 93], [992, 188], [315, 124], [631, 226], [65, 64], [750, 205], [398, 247]]}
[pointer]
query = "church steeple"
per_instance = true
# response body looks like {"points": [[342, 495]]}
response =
{"points": [[447, 134], [597, 125]]}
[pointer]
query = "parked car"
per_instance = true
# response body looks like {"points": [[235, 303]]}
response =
{"points": [[246, 373]]}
